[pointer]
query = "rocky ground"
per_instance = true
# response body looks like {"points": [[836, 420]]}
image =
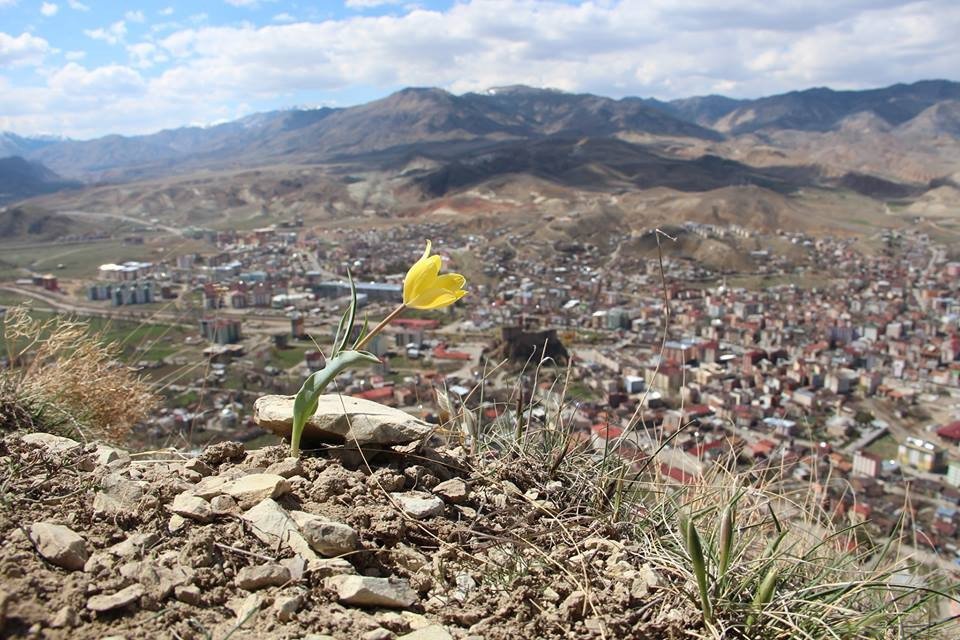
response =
{"points": [[406, 542]]}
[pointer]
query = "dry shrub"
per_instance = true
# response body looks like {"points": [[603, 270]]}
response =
{"points": [[68, 380]]}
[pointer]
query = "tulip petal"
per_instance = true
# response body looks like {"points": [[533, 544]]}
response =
{"points": [[420, 277], [436, 298], [450, 281]]}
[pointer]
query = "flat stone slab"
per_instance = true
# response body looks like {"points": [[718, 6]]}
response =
{"points": [[121, 598], [341, 420], [60, 545], [250, 490], [366, 591], [419, 506]]}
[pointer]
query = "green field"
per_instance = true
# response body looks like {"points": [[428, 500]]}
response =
{"points": [[885, 447], [82, 260], [286, 358]]}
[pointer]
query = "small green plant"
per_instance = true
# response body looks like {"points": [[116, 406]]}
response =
{"points": [[423, 288]]}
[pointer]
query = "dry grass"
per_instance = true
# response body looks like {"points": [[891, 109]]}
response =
{"points": [[66, 379], [754, 553]]}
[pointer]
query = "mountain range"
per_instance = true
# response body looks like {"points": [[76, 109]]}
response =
{"points": [[895, 142]]}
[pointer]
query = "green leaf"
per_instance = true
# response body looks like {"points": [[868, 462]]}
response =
{"points": [[699, 569], [308, 398], [362, 334], [346, 321]]}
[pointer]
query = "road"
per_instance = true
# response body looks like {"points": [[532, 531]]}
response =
{"points": [[99, 216], [255, 324]]}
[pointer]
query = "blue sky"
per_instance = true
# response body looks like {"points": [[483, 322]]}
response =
{"points": [[85, 68]]}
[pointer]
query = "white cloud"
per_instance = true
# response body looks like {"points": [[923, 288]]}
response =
{"points": [[664, 48], [166, 11], [76, 5], [284, 17], [134, 16], [22, 50], [144, 55], [74, 80], [367, 4], [49, 9], [113, 34], [242, 3], [75, 55]]}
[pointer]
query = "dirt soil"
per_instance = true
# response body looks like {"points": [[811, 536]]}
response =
{"points": [[507, 553]]}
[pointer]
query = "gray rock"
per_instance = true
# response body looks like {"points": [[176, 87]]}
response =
{"points": [[419, 506], [210, 487], [193, 507], [326, 537], [433, 632], [176, 523], [288, 467], [366, 591], [64, 618], [317, 636], [50, 442], [98, 561], [117, 600], [272, 525], [341, 420], [246, 608], [415, 620], [326, 567], [60, 545], [160, 581], [224, 505], [262, 575], [119, 496], [378, 634], [575, 606], [296, 565], [107, 456], [189, 594], [198, 466], [130, 570], [134, 545], [286, 606], [453, 491], [250, 490]]}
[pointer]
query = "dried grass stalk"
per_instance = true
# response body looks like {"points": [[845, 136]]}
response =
{"points": [[58, 365]]}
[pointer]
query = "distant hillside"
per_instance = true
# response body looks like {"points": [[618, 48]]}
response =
{"points": [[602, 163], [20, 179], [13, 145], [25, 223], [823, 109], [409, 117], [394, 155]]}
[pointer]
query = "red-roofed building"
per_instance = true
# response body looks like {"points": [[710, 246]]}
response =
{"points": [[606, 431], [677, 475], [950, 433], [416, 323], [383, 395], [441, 353]]}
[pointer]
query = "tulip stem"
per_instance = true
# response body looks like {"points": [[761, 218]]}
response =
{"points": [[377, 329]]}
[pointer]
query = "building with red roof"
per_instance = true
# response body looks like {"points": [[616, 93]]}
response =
{"points": [[950, 432]]}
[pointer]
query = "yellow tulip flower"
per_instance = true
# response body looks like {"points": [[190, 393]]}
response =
{"points": [[425, 288]]}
